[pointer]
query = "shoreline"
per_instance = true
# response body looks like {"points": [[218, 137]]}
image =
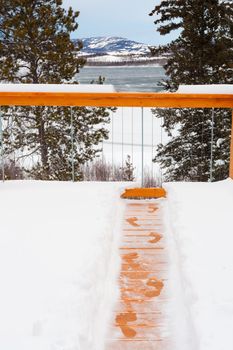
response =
{"points": [[133, 65]]}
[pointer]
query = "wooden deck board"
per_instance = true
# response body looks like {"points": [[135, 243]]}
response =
{"points": [[137, 193], [138, 321]]}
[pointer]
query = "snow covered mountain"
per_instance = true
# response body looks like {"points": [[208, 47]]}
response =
{"points": [[117, 51], [113, 46]]}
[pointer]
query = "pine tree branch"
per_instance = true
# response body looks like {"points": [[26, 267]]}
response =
{"points": [[28, 154]]}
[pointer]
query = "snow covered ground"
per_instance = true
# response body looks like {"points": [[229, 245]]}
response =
{"points": [[58, 264], [199, 218]]}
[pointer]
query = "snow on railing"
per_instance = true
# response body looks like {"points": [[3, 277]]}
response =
{"points": [[105, 96]]}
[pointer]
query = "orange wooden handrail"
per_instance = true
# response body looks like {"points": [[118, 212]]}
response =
{"points": [[116, 99], [120, 99]]}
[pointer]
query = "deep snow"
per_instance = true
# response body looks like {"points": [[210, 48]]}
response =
{"points": [[58, 264], [199, 218]]}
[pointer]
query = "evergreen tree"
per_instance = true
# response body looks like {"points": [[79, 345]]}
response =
{"points": [[202, 54], [127, 170], [35, 47]]}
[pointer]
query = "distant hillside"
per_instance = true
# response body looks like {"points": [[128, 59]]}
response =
{"points": [[114, 46], [117, 51]]}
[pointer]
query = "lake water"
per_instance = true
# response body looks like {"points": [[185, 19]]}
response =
{"points": [[125, 130], [126, 78]]}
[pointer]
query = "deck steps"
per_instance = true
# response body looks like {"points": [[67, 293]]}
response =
{"points": [[139, 321]]}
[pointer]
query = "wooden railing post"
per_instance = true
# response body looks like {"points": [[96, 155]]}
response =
{"points": [[231, 149]]}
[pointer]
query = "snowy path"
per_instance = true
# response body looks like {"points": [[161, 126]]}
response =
{"points": [[150, 313], [140, 322]]}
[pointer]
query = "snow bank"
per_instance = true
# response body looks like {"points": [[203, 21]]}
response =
{"points": [[201, 217], [58, 264], [206, 89], [56, 88]]}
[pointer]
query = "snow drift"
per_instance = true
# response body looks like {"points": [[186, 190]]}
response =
{"points": [[58, 264]]}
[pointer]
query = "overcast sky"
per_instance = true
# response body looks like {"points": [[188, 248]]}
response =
{"points": [[124, 18]]}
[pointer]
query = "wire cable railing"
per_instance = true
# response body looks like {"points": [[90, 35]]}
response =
{"points": [[124, 122]]}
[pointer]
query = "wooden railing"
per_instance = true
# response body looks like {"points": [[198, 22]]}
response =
{"points": [[121, 99], [116, 99]]}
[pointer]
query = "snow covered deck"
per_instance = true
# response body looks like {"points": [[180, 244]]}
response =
{"points": [[139, 321], [199, 223], [58, 263], [61, 252]]}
